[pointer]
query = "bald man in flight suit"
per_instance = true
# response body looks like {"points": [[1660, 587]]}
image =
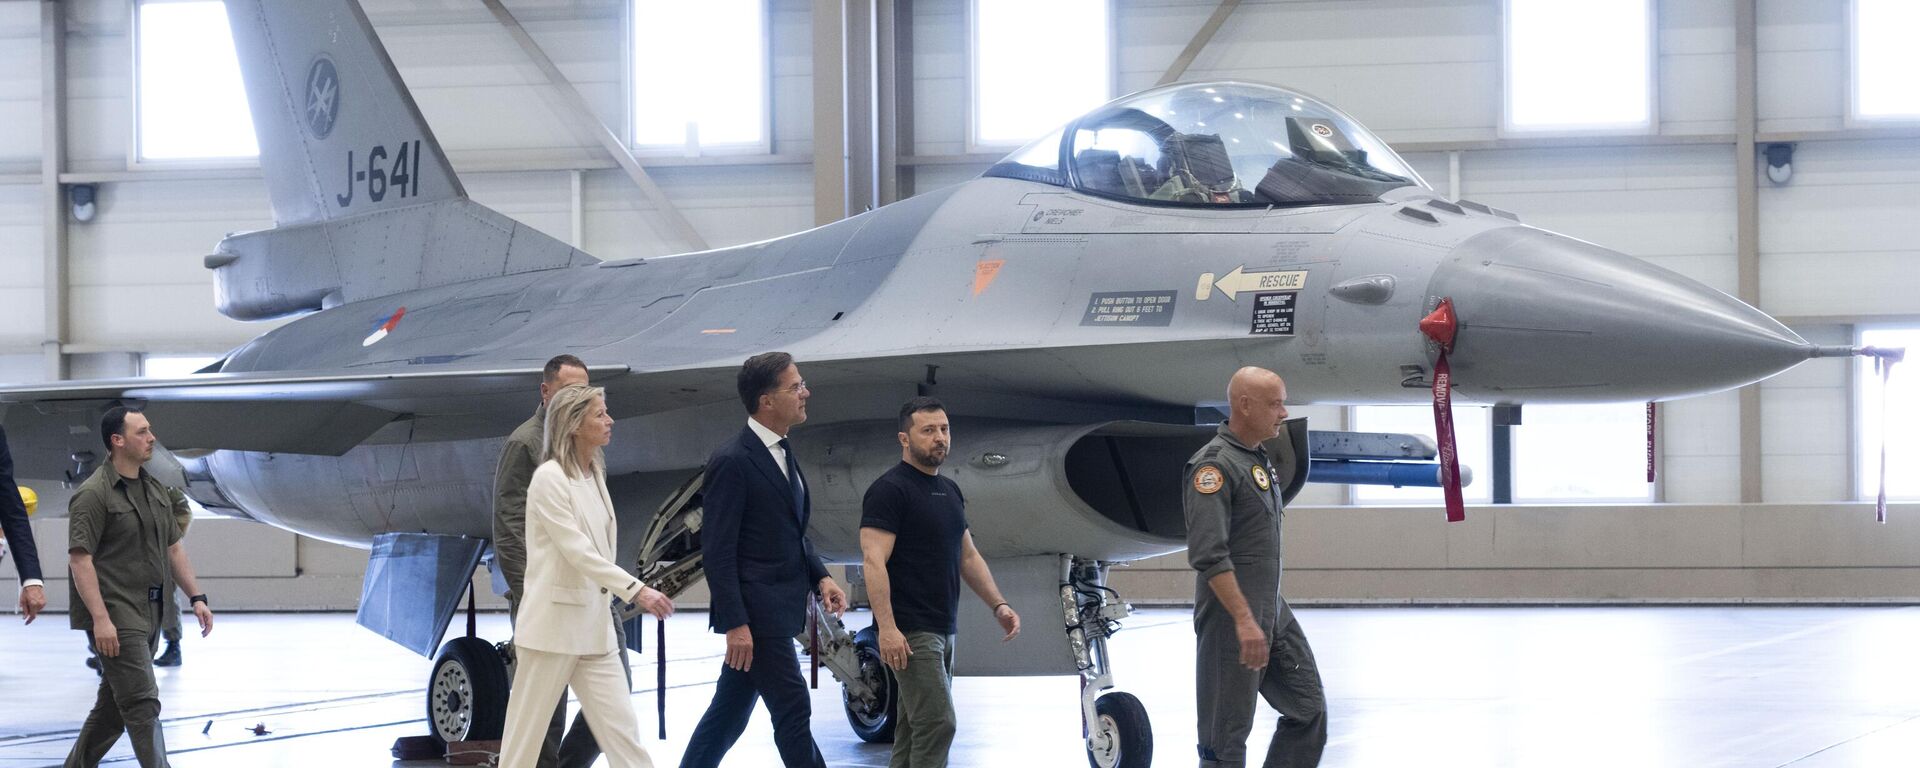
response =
{"points": [[1249, 643]]}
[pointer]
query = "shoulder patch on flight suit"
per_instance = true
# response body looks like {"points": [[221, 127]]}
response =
{"points": [[1260, 478], [1208, 479]]}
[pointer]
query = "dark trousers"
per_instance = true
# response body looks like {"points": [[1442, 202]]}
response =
{"points": [[775, 676], [577, 749], [128, 701], [170, 615]]}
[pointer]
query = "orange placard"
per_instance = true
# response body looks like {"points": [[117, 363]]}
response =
{"points": [[984, 272]]}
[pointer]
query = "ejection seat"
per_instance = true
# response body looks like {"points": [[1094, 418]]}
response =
{"points": [[1198, 170]]}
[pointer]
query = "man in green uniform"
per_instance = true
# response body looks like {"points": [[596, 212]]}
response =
{"points": [[518, 459], [1249, 644], [170, 612], [124, 556]]}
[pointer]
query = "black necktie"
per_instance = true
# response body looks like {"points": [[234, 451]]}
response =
{"points": [[793, 482]]}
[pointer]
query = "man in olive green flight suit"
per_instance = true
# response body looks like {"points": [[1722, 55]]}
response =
{"points": [[1248, 642], [124, 555], [518, 459]]}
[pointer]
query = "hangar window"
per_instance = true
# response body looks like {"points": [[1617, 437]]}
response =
{"points": [[1581, 453], [1884, 60], [1473, 434], [1036, 66], [1880, 406], [699, 76], [1578, 67], [189, 103], [174, 366]]}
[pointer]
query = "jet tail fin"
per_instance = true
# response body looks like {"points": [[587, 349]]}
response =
{"points": [[364, 201], [339, 134]]}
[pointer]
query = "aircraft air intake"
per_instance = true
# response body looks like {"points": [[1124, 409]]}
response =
{"points": [[1111, 487]]}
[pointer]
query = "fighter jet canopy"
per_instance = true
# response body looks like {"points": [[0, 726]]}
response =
{"points": [[1214, 145]]}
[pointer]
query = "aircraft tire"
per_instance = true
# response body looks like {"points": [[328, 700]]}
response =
{"points": [[1125, 717], [874, 724], [467, 692]]}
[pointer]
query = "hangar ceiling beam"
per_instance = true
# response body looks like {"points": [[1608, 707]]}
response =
{"points": [[829, 112], [1515, 143], [1199, 41], [863, 167], [893, 31], [1747, 223], [609, 140], [53, 208]]}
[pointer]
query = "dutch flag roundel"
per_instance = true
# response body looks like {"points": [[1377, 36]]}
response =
{"points": [[384, 326]]}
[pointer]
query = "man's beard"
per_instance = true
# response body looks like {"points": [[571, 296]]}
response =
{"points": [[928, 459]]}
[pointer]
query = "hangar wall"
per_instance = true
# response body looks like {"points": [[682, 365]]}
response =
{"points": [[1836, 245]]}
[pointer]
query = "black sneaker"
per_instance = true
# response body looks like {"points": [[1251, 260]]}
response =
{"points": [[170, 657]]}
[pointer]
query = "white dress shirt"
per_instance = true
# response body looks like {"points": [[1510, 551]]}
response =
{"points": [[772, 442], [37, 582]]}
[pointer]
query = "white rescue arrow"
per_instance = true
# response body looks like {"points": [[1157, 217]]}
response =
{"points": [[1233, 283]]}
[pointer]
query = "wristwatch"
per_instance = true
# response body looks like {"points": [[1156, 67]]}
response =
{"points": [[199, 599]]}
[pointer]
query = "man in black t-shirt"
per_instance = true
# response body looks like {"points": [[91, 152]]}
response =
{"points": [[917, 550]]}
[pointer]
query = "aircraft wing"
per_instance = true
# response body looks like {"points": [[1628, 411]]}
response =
{"points": [[329, 412], [324, 413]]}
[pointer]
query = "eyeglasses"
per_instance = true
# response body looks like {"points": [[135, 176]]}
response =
{"points": [[797, 388]]}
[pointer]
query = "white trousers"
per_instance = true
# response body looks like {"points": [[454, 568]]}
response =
{"points": [[539, 680]]}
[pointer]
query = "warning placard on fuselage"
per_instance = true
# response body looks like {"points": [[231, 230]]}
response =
{"points": [[1131, 308], [1273, 313]]}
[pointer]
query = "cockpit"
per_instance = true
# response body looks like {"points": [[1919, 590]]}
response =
{"points": [[1215, 145]]}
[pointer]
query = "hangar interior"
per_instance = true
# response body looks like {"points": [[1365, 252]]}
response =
{"points": [[1760, 492], [1758, 166]]}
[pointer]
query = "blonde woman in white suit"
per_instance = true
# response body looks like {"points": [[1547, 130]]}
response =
{"points": [[565, 633]]}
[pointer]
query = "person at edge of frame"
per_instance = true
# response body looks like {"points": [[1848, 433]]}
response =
{"points": [[15, 521]]}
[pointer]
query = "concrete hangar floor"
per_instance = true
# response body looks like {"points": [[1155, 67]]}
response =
{"points": [[1810, 687]]}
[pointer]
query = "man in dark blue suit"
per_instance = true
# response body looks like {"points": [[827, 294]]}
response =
{"points": [[760, 566], [19, 534]]}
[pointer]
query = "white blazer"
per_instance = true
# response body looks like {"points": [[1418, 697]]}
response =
{"points": [[571, 578]]}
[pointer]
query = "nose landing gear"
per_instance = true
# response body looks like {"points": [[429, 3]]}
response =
{"points": [[1117, 731]]}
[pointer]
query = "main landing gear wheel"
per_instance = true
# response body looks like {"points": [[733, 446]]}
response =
{"points": [[873, 721], [467, 692], [1129, 742]]}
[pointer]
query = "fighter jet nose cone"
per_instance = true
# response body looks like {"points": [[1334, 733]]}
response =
{"points": [[1544, 317]]}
